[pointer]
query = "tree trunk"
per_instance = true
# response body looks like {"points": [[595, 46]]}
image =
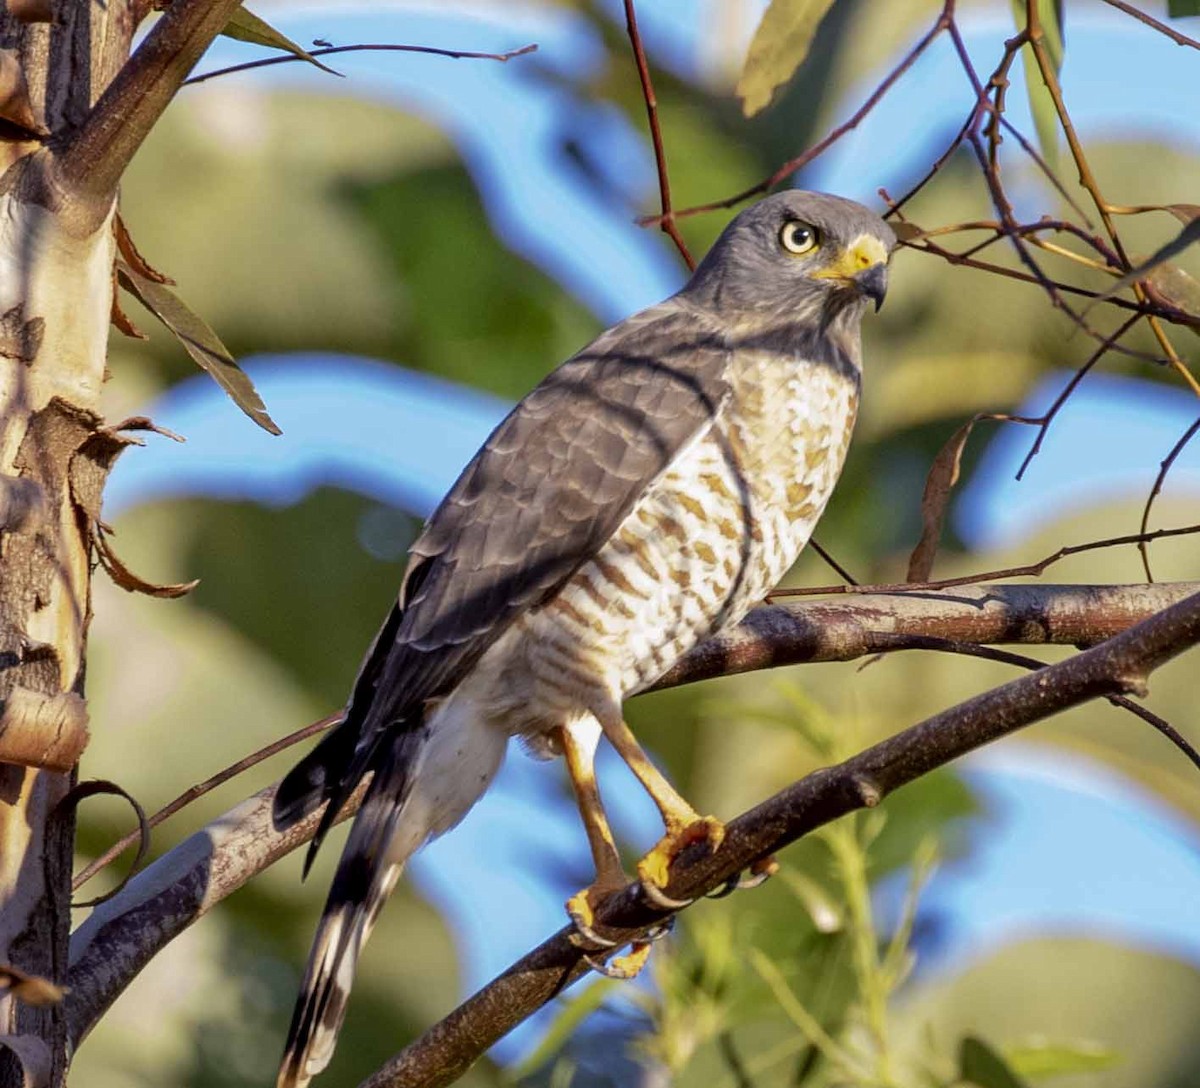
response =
{"points": [[55, 301]]}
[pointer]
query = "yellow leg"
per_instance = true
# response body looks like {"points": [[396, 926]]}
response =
{"points": [[579, 750], [684, 825]]}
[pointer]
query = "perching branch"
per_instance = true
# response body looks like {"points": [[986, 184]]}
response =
{"points": [[121, 936], [1119, 666]]}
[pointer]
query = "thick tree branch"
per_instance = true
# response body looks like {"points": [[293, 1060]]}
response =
{"points": [[120, 937], [1119, 666], [91, 161], [804, 630]]}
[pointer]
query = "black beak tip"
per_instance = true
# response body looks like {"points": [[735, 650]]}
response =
{"points": [[872, 282]]}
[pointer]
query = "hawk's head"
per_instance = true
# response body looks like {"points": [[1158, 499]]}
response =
{"points": [[797, 251]]}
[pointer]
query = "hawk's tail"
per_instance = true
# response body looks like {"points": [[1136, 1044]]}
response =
{"points": [[425, 783]]}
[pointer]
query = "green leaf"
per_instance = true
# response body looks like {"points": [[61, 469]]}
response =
{"points": [[245, 26], [980, 1065], [1179, 9], [778, 48], [1041, 1059], [1041, 104], [201, 342]]}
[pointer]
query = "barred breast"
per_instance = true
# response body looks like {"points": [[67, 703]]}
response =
{"points": [[705, 543]]}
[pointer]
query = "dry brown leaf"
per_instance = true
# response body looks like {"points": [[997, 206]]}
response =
{"points": [[943, 475], [133, 257], [127, 580], [15, 105], [32, 989]]}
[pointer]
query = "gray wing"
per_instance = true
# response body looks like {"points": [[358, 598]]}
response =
{"points": [[550, 486], [548, 489]]}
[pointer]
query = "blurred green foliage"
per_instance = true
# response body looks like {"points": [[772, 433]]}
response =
{"points": [[302, 221]]}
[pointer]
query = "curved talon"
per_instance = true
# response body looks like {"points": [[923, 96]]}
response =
{"points": [[623, 967], [660, 899], [728, 887], [588, 939], [658, 932], [654, 870]]}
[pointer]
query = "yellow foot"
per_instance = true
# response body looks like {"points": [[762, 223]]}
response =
{"points": [[582, 907], [623, 967], [654, 870]]}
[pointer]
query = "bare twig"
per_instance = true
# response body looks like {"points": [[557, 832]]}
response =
{"points": [[1150, 21], [1007, 657], [790, 167], [191, 794], [1119, 666], [1156, 490], [666, 218], [370, 47], [1029, 570]]}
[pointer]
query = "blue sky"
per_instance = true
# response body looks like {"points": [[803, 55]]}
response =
{"points": [[412, 433]]}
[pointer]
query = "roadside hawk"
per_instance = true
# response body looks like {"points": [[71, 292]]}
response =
{"points": [[643, 497]]}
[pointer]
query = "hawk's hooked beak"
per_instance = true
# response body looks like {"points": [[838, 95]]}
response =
{"points": [[862, 265], [872, 282]]}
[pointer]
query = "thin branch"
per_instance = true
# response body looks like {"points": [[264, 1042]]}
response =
{"points": [[91, 161], [943, 21], [193, 793], [287, 58], [666, 220], [1029, 570], [1150, 21], [1052, 412], [1163, 468], [120, 937], [1119, 666], [832, 563], [1007, 657]]}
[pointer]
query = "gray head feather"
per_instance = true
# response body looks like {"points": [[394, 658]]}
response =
{"points": [[749, 271]]}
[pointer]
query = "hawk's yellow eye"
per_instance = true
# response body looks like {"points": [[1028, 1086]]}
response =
{"points": [[798, 237]]}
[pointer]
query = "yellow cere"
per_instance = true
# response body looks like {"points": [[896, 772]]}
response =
{"points": [[865, 251]]}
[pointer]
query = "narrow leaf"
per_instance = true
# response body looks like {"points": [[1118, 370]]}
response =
{"points": [[778, 48], [1041, 104], [1041, 1059], [201, 342], [1180, 9], [1186, 237], [906, 230], [245, 26], [943, 475], [981, 1066]]}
